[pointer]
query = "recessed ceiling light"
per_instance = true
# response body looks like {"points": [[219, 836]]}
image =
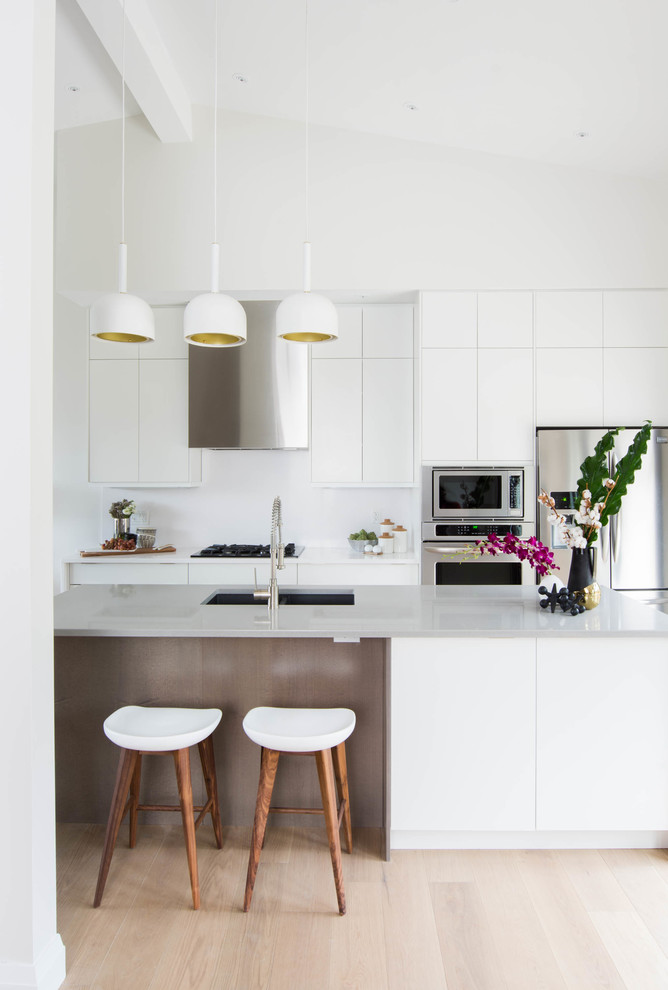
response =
{"points": [[240, 78], [72, 89], [411, 106], [582, 134]]}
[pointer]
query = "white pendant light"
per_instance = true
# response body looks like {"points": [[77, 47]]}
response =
{"points": [[305, 316], [214, 319], [119, 316]]}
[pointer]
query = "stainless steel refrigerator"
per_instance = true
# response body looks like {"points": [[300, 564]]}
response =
{"points": [[633, 548]]}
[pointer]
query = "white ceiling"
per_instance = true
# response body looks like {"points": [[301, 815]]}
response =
{"points": [[511, 77]]}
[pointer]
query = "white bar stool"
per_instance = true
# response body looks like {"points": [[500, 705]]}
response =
{"points": [[319, 732], [145, 731]]}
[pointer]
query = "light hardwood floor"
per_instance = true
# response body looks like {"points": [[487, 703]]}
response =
{"points": [[426, 921]]}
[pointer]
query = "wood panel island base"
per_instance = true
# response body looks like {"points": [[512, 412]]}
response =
{"points": [[491, 723], [94, 676]]}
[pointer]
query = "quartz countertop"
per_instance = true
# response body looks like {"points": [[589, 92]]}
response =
{"points": [[379, 611], [310, 555]]}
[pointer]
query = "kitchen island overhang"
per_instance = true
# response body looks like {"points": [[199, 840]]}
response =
{"points": [[482, 720]]}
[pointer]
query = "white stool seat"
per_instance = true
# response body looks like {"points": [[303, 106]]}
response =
{"points": [[299, 730], [158, 730]]}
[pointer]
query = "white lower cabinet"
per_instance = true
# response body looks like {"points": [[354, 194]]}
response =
{"points": [[366, 572], [128, 573], [602, 753], [463, 734], [222, 573]]}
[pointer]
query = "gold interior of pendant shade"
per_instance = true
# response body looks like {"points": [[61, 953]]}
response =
{"points": [[306, 336], [216, 339], [123, 338]]}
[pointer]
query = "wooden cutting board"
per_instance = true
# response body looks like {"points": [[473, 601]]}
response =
{"points": [[168, 548]]}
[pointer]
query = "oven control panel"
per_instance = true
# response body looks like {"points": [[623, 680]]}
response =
{"points": [[476, 530]]}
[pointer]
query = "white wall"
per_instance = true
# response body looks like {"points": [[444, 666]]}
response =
{"points": [[31, 952], [234, 503], [386, 214]]}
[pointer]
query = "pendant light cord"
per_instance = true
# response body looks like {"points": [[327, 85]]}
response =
{"points": [[123, 132], [215, 129], [306, 124]]}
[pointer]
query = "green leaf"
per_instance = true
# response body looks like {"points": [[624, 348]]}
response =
{"points": [[595, 469], [626, 470]]}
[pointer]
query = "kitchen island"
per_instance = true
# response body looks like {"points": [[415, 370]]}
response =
{"points": [[490, 722]]}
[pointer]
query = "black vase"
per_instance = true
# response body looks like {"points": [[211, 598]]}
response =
{"points": [[583, 565]]}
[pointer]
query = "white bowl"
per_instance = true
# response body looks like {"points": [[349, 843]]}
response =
{"points": [[358, 545]]}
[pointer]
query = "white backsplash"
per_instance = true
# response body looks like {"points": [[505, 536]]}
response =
{"points": [[233, 504]]}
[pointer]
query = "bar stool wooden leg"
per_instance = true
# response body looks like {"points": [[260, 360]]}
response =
{"points": [[126, 768], [268, 767], [341, 774], [209, 770], [134, 801], [182, 764], [323, 760]]}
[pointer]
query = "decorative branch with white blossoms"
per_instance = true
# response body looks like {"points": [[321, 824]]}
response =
{"points": [[586, 520]]}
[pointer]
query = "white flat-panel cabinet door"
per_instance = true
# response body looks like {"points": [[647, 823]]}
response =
{"points": [[163, 421], [387, 416], [639, 318], [388, 331], [602, 747], [349, 342], [336, 420], [578, 402], [634, 386], [463, 734], [113, 420], [505, 404], [449, 405]]}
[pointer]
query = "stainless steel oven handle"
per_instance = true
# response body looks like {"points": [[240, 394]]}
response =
{"points": [[443, 548]]}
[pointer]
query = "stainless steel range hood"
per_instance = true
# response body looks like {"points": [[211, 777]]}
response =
{"points": [[253, 397]]}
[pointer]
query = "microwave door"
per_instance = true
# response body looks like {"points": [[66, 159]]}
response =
{"points": [[469, 494]]}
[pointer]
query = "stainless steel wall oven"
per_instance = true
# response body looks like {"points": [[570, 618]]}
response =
{"points": [[462, 505]]}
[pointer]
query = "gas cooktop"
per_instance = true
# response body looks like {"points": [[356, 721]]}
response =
{"points": [[244, 550]]}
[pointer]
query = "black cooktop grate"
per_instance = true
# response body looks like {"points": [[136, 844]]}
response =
{"points": [[243, 550]]}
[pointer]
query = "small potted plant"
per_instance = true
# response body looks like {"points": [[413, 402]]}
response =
{"points": [[121, 513]]}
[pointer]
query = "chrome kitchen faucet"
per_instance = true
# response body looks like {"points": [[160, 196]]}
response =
{"points": [[277, 558]]}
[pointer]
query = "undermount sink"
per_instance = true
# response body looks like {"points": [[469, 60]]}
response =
{"points": [[284, 598]]}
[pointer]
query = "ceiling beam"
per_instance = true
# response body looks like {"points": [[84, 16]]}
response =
{"points": [[150, 74]]}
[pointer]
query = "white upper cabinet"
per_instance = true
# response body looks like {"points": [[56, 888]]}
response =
{"points": [[505, 319], [569, 319], [635, 385], [362, 405], [336, 421], [569, 387], [449, 319], [138, 409], [638, 319], [505, 404], [387, 331], [163, 429], [449, 405], [387, 417], [349, 341], [114, 420], [169, 342]]}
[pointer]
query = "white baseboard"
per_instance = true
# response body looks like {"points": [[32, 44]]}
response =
{"points": [[47, 972], [434, 839]]}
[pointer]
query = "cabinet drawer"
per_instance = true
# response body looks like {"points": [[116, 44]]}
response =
{"points": [[226, 573], [128, 572], [366, 572]]}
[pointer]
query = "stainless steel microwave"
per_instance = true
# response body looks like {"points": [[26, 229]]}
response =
{"points": [[472, 493]]}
